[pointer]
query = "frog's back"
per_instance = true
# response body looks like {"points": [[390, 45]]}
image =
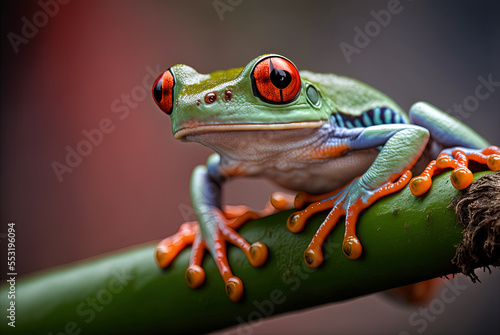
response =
{"points": [[350, 96]]}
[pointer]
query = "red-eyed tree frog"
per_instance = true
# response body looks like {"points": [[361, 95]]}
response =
{"points": [[341, 143]]}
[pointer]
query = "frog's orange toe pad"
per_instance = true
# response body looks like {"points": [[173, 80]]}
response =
{"points": [[297, 221], [420, 185], [294, 223], [234, 288], [168, 249], [300, 200], [163, 256], [493, 162], [352, 247], [258, 254], [281, 201], [313, 256], [195, 276], [461, 178]]}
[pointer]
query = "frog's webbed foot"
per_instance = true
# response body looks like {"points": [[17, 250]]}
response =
{"points": [[457, 159], [349, 201], [220, 231]]}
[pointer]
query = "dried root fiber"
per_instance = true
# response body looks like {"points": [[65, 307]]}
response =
{"points": [[478, 210]]}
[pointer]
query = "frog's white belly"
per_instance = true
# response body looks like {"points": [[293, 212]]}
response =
{"points": [[284, 157], [324, 176]]}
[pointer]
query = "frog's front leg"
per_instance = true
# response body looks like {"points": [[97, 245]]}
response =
{"points": [[402, 146], [215, 228]]}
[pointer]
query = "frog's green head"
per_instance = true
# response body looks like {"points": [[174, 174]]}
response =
{"points": [[268, 93]]}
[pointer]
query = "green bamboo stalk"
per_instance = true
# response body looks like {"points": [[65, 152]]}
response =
{"points": [[406, 239]]}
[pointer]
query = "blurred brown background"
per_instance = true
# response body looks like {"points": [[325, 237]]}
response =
{"points": [[64, 72]]}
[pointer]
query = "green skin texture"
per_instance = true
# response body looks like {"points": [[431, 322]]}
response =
{"points": [[401, 144], [407, 239]]}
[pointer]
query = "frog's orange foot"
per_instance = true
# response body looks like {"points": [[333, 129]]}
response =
{"points": [[221, 232], [461, 177], [348, 201]]}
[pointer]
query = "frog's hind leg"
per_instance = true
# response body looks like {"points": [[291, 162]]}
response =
{"points": [[447, 131], [454, 144]]}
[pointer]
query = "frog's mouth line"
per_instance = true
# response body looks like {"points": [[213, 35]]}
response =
{"points": [[185, 131]]}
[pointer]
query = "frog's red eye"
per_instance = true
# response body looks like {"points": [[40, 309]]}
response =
{"points": [[276, 80], [163, 91]]}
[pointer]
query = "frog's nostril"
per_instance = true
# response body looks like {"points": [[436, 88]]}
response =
{"points": [[210, 97]]}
